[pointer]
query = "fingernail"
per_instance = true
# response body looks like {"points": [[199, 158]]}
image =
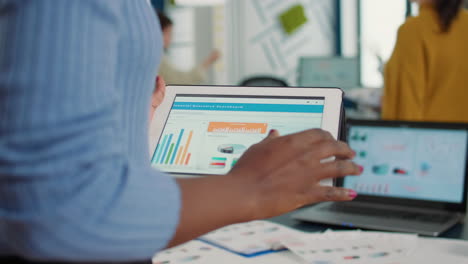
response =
{"points": [[157, 78], [361, 169], [354, 153], [352, 194], [272, 131]]}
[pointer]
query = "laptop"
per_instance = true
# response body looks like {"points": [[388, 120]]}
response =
{"points": [[204, 130], [414, 180], [329, 71]]}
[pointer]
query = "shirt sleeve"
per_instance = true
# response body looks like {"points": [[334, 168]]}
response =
{"points": [[68, 189], [405, 76]]}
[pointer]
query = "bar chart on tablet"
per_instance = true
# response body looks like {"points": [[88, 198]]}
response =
{"points": [[174, 149]]}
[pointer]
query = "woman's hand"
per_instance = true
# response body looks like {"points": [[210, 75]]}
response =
{"points": [[158, 95], [281, 174], [211, 59], [273, 177]]}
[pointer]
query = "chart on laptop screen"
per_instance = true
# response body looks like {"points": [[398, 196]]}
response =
{"points": [[413, 163], [208, 134]]}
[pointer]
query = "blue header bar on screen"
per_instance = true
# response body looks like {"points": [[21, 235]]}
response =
{"points": [[286, 108]]}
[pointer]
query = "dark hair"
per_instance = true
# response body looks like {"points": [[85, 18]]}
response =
{"points": [[447, 11], [164, 20]]}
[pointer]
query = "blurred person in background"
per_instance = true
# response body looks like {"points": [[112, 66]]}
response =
{"points": [[172, 75], [426, 79]]}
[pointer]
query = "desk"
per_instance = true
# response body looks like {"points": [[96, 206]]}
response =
{"points": [[427, 251], [459, 231]]}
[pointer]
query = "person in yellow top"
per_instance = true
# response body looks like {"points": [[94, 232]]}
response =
{"points": [[426, 79], [172, 75]]}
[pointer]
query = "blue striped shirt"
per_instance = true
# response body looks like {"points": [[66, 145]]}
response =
{"points": [[76, 78]]}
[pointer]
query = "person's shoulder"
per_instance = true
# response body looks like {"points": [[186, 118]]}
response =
{"points": [[412, 25], [464, 12], [409, 29], [463, 15]]}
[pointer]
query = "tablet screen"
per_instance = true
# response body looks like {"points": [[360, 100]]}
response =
{"points": [[208, 134]]}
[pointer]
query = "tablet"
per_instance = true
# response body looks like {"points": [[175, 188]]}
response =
{"points": [[204, 130]]}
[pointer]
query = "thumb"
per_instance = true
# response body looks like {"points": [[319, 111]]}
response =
{"points": [[272, 134], [160, 82]]}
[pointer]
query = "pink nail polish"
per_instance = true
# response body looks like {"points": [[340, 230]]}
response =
{"points": [[352, 194], [361, 168]]}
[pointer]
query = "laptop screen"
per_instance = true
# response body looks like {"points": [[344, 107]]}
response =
{"points": [[208, 134], [410, 163], [329, 72]]}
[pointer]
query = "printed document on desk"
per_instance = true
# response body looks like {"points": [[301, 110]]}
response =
{"points": [[361, 247], [196, 252], [330, 247], [353, 247], [199, 252], [251, 238]]}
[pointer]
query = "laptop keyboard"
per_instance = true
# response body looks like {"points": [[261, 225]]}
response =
{"points": [[387, 213]]}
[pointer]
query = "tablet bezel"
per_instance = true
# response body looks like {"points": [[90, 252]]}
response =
{"points": [[331, 120]]}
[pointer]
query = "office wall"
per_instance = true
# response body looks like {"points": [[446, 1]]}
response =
{"points": [[182, 52], [251, 39], [261, 46], [205, 36], [349, 28]]}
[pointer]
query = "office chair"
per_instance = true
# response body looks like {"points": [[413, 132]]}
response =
{"points": [[264, 81]]}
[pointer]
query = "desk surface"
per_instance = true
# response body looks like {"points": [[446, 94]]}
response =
{"points": [[459, 231]]}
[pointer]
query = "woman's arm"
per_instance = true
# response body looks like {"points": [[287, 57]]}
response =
{"points": [[273, 177]]}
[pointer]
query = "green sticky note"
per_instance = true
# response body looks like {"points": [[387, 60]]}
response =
{"points": [[293, 18]]}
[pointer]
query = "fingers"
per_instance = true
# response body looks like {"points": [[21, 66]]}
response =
{"points": [[317, 144], [158, 93], [301, 141], [160, 84], [337, 169], [211, 59], [272, 135], [275, 150], [332, 148], [328, 193]]}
